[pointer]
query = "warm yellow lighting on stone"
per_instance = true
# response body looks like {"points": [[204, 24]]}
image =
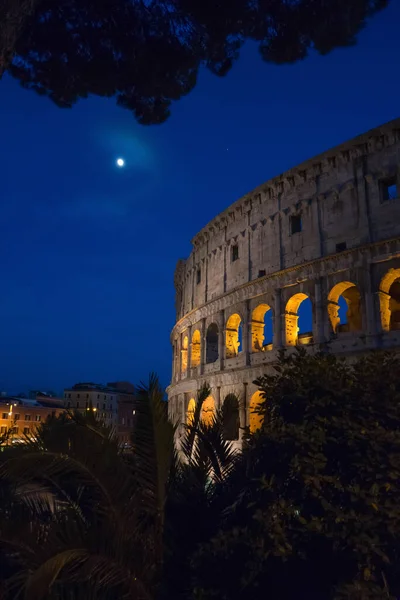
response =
{"points": [[389, 300], [208, 410], [232, 336], [190, 411], [255, 419], [350, 293], [257, 327], [196, 348], [184, 352], [292, 318]]}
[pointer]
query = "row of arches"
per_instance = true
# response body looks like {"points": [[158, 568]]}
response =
{"points": [[344, 307], [230, 413]]}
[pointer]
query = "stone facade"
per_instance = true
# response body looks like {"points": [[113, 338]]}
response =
{"points": [[328, 231]]}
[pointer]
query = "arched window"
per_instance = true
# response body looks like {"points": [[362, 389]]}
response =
{"points": [[208, 411], [389, 297], [190, 411], [212, 343], [298, 320], [261, 328], [196, 349], [256, 419], [231, 420], [184, 353], [344, 307], [233, 336]]}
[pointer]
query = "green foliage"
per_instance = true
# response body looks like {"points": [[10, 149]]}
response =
{"points": [[314, 511], [148, 54]]}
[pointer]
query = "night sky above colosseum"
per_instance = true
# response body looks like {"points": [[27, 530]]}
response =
{"points": [[89, 249]]}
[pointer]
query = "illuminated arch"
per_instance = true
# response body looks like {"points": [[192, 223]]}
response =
{"points": [[233, 345], [212, 343], [196, 349], [231, 418], [292, 320], [208, 411], [389, 299], [184, 355], [255, 418], [258, 329], [351, 295], [190, 411]]}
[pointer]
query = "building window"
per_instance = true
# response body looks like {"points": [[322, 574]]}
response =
{"points": [[235, 252], [98, 404], [38, 418], [198, 276], [17, 417], [4, 416], [78, 395], [3, 430], [26, 430], [104, 406], [69, 395], [295, 224], [14, 430], [262, 273], [77, 405], [389, 189], [123, 421], [27, 417], [105, 398], [340, 247]]}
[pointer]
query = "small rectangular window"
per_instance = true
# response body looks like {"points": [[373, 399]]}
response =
{"points": [[235, 252], [78, 396], [3, 430], [389, 189], [340, 247], [262, 273], [198, 276], [27, 417], [14, 430], [98, 404], [104, 406], [26, 430], [38, 418], [17, 417], [77, 405], [4, 416], [295, 224]]}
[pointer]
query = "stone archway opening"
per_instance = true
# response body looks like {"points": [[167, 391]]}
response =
{"points": [[196, 349], [208, 411], [256, 419], [212, 343], [344, 307], [231, 417], [298, 320], [184, 355], [261, 328], [389, 299], [190, 411], [233, 336]]}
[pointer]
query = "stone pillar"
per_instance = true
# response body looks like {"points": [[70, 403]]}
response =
{"points": [[319, 333], [179, 358], [189, 351], [221, 339], [246, 331], [373, 322], [203, 338], [218, 398], [279, 321]]}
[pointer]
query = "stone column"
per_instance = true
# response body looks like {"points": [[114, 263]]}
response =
{"points": [[221, 339], [179, 358], [373, 321], [243, 408], [203, 338], [319, 333], [189, 351], [218, 398], [246, 331], [279, 321]]}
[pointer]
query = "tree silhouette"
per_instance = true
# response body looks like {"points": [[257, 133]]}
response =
{"points": [[148, 53]]}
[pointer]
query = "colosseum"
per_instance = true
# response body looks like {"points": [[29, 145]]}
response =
{"points": [[324, 234]]}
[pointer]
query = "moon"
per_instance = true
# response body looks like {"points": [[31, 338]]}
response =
{"points": [[120, 162]]}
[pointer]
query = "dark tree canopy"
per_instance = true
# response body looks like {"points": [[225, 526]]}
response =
{"points": [[148, 53]]}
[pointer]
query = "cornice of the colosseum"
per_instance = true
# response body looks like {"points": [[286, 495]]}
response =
{"points": [[321, 267], [367, 143]]}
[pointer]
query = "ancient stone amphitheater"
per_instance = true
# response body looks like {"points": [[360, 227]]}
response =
{"points": [[326, 233]]}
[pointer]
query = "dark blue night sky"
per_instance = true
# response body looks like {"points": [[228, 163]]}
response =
{"points": [[89, 250]]}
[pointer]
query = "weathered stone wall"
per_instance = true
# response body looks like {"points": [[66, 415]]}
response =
{"points": [[329, 228]]}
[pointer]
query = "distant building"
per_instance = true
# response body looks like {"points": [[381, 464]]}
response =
{"points": [[103, 400], [22, 416]]}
